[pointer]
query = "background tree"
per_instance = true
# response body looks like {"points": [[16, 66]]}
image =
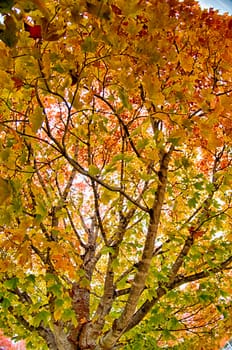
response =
{"points": [[7, 344], [115, 175]]}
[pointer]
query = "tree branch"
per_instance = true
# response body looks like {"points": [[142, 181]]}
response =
{"points": [[178, 281], [120, 324]]}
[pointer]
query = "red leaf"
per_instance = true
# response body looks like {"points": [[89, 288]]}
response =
{"points": [[35, 31], [18, 83], [198, 234], [116, 10], [230, 24]]}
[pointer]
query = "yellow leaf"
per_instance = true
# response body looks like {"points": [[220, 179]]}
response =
{"points": [[5, 58], [158, 99], [77, 104], [5, 80], [106, 197], [57, 314], [36, 119], [46, 65], [186, 62], [180, 133]]}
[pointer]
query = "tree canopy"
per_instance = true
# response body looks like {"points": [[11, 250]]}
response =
{"points": [[115, 174]]}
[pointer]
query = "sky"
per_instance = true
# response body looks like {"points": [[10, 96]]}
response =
{"points": [[221, 5]]}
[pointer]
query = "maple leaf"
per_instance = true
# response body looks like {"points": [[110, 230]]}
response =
{"points": [[34, 30], [5, 190], [8, 34], [6, 6]]}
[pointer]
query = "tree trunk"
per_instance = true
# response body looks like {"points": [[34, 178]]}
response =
{"points": [[57, 339], [88, 337]]}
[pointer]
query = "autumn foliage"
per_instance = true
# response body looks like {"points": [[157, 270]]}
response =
{"points": [[115, 174], [7, 344]]}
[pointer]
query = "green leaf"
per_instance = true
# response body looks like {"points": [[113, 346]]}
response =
{"points": [[57, 67], [199, 185], [173, 323], [94, 170], [167, 335], [122, 156], [174, 140], [5, 190], [109, 168], [186, 162], [28, 172], [142, 143], [210, 187], [41, 208], [31, 278], [55, 289], [124, 98], [5, 303], [11, 283], [5, 154], [84, 283], [192, 202], [107, 196], [89, 45], [37, 119], [106, 250], [6, 5], [59, 303], [69, 315], [43, 316], [5, 217], [16, 204], [8, 36]]}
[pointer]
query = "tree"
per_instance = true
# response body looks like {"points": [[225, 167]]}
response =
{"points": [[115, 174], [6, 344]]}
